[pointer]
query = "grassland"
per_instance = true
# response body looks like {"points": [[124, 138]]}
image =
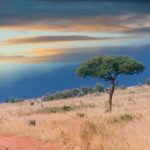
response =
{"points": [[83, 123]]}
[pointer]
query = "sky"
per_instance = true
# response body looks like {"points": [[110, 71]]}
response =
{"points": [[43, 41]]}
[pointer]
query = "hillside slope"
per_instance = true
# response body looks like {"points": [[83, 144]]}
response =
{"points": [[83, 123]]}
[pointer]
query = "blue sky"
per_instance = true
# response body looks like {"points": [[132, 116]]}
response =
{"points": [[41, 37]]}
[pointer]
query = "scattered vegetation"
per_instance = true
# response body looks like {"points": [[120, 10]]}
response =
{"points": [[15, 100], [99, 88], [109, 68], [65, 108], [125, 117], [88, 130], [91, 131], [122, 87], [77, 125], [80, 115], [148, 81], [31, 103], [74, 93], [32, 122]]}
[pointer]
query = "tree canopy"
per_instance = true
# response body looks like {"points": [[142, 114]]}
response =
{"points": [[107, 67]]}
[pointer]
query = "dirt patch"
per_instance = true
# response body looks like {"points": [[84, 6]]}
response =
{"points": [[8, 142]]}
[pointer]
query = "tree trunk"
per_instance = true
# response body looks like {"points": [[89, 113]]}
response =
{"points": [[111, 94], [41, 101]]}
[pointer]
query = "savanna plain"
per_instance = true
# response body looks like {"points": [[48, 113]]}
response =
{"points": [[83, 123]]}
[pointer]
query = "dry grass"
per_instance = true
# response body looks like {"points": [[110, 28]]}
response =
{"points": [[84, 123]]}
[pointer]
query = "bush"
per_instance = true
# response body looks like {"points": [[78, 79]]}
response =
{"points": [[87, 132], [80, 94], [80, 115], [31, 103], [32, 122], [84, 89], [122, 87], [15, 100], [99, 88], [125, 117], [73, 93], [148, 81], [65, 108]]}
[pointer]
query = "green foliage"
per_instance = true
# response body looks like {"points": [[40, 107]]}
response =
{"points": [[65, 108], [109, 68], [73, 93], [106, 67], [125, 117], [122, 87], [15, 100], [84, 90], [148, 81], [99, 88]]}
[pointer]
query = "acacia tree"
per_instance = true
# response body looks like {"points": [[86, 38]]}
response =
{"points": [[109, 68]]}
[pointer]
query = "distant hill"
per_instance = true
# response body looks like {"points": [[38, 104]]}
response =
{"points": [[65, 78]]}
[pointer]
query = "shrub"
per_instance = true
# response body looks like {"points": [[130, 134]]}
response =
{"points": [[126, 117], [31, 103], [32, 122], [80, 115], [76, 91], [72, 93], [80, 94], [84, 89], [121, 118], [15, 100], [87, 132], [148, 81], [99, 88], [122, 87], [65, 108]]}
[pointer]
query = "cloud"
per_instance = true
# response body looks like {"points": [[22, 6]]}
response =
{"points": [[144, 30], [119, 23], [45, 52], [68, 55], [43, 39], [80, 15], [124, 1]]}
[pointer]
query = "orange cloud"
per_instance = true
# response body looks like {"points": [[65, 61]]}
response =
{"points": [[106, 24], [44, 52], [35, 55], [26, 59], [47, 39]]}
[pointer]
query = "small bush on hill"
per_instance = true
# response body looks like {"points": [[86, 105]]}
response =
{"points": [[99, 88], [32, 122], [122, 87], [148, 81], [121, 118], [74, 93], [65, 108], [15, 100], [80, 115], [31, 103]]}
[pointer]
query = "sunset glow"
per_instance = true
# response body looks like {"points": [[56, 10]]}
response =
{"points": [[34, 33]]}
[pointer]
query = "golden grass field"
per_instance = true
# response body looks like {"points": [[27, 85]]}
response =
{"points": [[87, 126]]}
